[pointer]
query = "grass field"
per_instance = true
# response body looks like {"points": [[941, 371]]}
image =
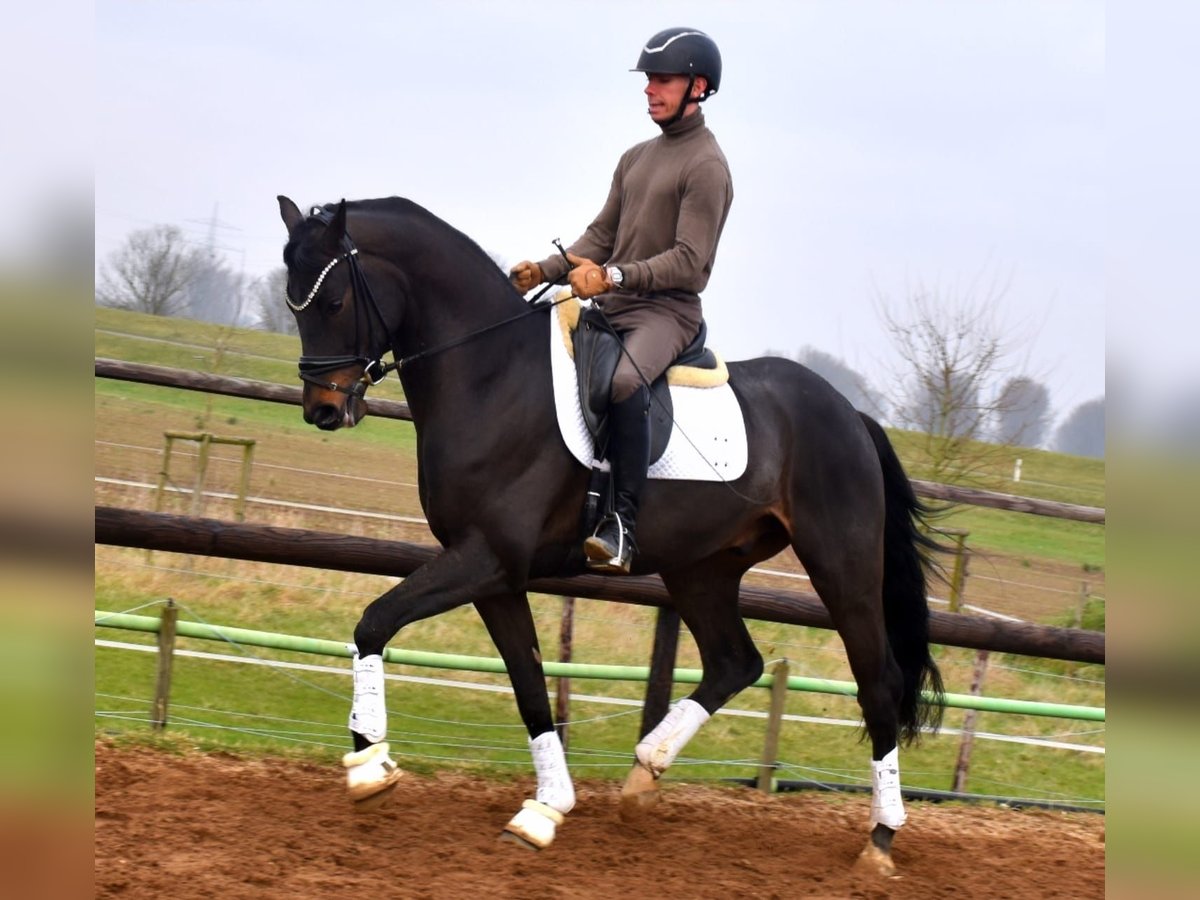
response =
{"points": [[1038, 568]]}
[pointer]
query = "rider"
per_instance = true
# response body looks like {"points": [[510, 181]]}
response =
{"points": [[655, 239]]}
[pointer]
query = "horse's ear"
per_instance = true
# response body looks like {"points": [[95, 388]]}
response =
{"points": [[290, 213], [337, 227]]}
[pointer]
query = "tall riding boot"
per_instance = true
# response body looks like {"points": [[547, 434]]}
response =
{"points": [[612, 547]]}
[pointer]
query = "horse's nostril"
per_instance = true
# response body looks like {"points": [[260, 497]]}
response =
{"points": [[327, 417]]}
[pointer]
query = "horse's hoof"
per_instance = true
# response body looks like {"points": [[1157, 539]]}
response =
{"points": [[873, 861], [511, 837], [533, 827], [371, 776], [639, 793], [374, 801]]}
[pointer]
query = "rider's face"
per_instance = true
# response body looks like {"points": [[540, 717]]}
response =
{"points": [[664, 93]]}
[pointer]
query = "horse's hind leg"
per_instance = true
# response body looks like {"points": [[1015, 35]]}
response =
{"points": [[510, 624], [707, 599], [852, 593], [879, 688]]}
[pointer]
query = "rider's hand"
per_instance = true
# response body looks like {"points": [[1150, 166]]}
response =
{"points": [[587, 279], [525, 276]]}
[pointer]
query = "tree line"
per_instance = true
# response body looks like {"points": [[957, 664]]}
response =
{"points": [[955, 383], [960, 412], [159, 271]]}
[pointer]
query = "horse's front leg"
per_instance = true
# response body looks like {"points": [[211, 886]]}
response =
{"points": [[509, 621], [459, 575]]}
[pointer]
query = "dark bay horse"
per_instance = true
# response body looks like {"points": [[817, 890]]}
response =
{"points": [[503, 494]]}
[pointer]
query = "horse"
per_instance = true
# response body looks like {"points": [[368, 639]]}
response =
{"points": [[502, 496]]}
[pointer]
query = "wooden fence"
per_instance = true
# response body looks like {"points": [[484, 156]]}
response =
{"points": [[398, 409], [372, 556]]}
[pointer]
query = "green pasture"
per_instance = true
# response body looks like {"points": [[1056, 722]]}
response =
{"points": [[221, 705]]}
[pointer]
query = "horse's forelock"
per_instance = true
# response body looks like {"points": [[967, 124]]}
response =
{"points": [[304, 248]]}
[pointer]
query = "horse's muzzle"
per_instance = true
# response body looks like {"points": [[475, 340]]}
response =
{"points": [[331, 416], [327, 417]]}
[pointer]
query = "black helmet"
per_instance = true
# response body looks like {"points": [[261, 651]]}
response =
{"points": [[682, 51]]}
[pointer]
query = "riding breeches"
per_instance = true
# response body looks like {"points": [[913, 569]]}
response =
{"points": [[653, 338]]}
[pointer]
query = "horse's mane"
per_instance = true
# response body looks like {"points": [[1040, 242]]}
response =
{"points": [[302, 252]]}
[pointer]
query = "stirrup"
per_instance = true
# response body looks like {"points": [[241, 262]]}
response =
{"points": [[602, 555]]}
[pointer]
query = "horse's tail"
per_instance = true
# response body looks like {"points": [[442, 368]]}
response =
{"points": [[906, 561]]}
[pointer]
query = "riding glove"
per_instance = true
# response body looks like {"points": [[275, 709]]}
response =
{"points": [[587, 278], [525, 276]]}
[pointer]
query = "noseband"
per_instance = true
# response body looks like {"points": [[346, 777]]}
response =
{"points": [[373, 366]]}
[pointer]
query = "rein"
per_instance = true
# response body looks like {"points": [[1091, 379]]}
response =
{"points": [[374, 368], [533, 308]]}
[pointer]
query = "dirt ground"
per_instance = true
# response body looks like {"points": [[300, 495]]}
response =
{"points": [[221, 826]]}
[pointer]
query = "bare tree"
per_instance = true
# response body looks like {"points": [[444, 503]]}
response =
{"points": [[267, 295], [945, 403], [151, 273], [1022, 413], [956, 356]]}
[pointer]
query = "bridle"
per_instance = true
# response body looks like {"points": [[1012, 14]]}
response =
{"points": [[365, 305], [373, 366]]}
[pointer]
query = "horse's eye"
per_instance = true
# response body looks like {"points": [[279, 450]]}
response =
{"points": [[335, 305]]}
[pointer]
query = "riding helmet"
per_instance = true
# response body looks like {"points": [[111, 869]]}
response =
{"points": [[682, 51]]}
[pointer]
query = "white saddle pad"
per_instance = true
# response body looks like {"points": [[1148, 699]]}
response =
{"points": [[708, 442]]}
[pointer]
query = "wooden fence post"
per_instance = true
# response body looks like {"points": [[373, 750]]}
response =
{"points": [[166, 656], [201, 473], [770, 762], [1081, 604], [963, 764], [562, 695], [958, 578], [164, 473], [958, 575], [239, 509], [662, 669]]}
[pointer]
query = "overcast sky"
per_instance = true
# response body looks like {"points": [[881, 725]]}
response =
{"points": [[876, 147]]}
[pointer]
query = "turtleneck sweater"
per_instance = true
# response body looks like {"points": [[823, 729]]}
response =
{"points": [[662, 219]]}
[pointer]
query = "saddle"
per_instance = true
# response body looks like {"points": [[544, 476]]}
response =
{"points": [[596, 349], [711, 443]]}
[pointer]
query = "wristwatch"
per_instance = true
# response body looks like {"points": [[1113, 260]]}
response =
{"points": [[616, 276]]}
